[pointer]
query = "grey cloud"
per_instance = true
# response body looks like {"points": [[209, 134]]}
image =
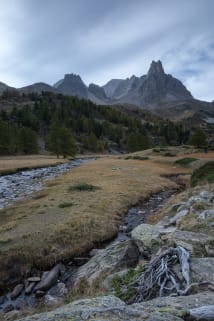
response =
{"points": [[42, 40]]}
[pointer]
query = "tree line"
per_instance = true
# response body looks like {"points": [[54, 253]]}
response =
{"points": [[64, 125]]}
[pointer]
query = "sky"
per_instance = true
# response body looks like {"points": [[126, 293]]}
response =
{"points": [[41, 40]]}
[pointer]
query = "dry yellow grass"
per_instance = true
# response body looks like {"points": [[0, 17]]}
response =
{"points": [[9, 164], [40, 232]]}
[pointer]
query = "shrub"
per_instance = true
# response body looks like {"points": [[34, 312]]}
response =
{"points": [[83, 187], [66, 204], [137, 157], [185, 161], [204, 174]]}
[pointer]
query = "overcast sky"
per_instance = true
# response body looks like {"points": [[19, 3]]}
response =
{"points": [[41, 40]]}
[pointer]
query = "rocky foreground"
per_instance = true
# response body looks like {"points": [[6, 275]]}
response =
{"points": [[141, 278]]}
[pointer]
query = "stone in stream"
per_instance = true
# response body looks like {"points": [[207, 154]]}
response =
{"points": [[80, 260], [58, 290], [16, 291], [34, 279], [29, 288], [8, 308], [48, 281], [39, 294], [50, 300], [2, 299]]}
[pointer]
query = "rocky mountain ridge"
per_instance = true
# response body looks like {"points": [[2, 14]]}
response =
{"points": [[145, 91]]}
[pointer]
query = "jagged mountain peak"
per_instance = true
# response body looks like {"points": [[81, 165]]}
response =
{"points": [[156, 68], [72, 84]]}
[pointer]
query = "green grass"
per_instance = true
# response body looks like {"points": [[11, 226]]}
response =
{"points": [[83, 187], [204, 174], [185, 161], [121, 284]]}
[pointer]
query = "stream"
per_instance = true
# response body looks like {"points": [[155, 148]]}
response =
{"points": [[135, 215], [17, 186]]}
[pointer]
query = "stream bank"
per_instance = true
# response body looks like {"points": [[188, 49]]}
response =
{"points": [[40, 286], [22, 184]]}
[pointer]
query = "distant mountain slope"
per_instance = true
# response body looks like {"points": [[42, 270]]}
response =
{"points": [[4, 87], [37, 88]]}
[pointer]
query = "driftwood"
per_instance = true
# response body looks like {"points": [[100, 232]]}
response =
{"points": [[161, 278], [205, 313]]}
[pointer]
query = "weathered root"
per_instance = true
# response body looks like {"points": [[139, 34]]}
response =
{"points": [[167, 274]]}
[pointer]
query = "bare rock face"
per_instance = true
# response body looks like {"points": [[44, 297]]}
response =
{"points": [[114, 258], [110, 308], [147, 90], [97, 91], [72, 85]]}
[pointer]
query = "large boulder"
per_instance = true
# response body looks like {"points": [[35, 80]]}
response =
{"points": [[150, 238], [198, 244], [114, 258], [202, 269]]}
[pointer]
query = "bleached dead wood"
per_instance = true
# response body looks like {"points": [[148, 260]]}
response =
{"points": [[161, 279]]}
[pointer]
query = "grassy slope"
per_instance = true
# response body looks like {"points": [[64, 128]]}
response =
{"points": [[41, 231]]}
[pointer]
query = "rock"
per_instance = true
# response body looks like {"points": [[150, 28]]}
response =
{"points": [[8, 308], [114, 258], [177, 217], [11, 315], [80, 260], [50, 300], [110, 308], [58, 290], [205, 313], [2, 299], [207, 195], [34, 279], [94, 252], [206, 214], [16, 291], [202, 269], [196, 243], [49, 280], [20, 304], [150, 238], [179, 303], [29, 288], [40, 294]]}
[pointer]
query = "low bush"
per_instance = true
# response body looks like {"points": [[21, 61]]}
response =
{"points": [[185, 161], [66, 204], [136, 157], [204, 174], [83, 187]]}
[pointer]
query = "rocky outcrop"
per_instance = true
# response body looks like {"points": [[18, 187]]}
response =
{"points": [[72, 85], [114, 258], [110, 308], [147, 90]]}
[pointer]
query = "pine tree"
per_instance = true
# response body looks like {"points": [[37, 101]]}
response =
{"points": [[198, 139]]}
